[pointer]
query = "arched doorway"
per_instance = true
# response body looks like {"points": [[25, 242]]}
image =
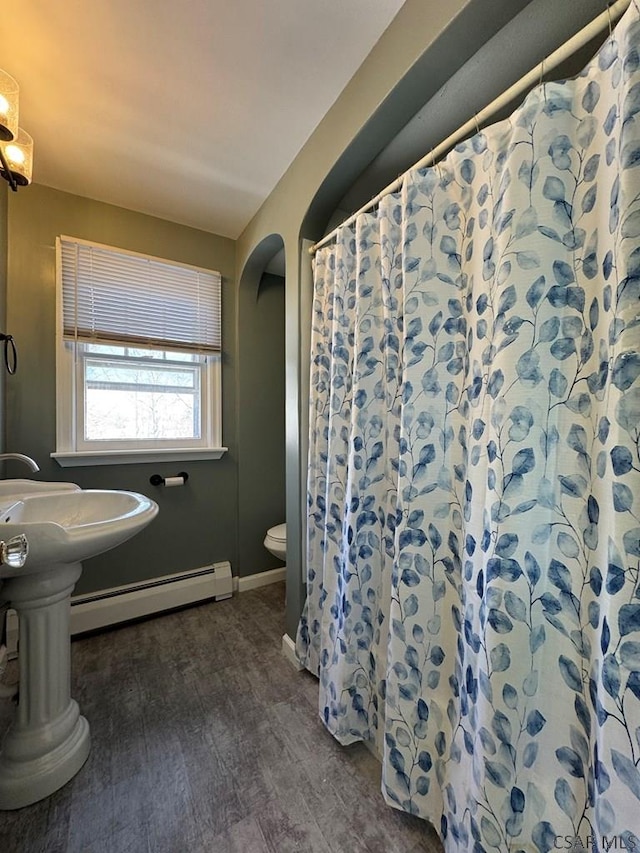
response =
{"points": [[261, 404]]}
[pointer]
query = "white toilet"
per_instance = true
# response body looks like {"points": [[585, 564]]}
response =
{"points": [[276, 541]]}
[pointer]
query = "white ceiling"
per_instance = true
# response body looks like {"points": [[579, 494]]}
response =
{"points": [[190, 111]]}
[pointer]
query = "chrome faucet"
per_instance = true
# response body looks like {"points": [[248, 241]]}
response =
{"points": [[22, 458]]}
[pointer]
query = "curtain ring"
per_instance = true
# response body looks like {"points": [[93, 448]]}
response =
{"points": [[610, 23], [436, 165], [542, 83], [475, 117]]}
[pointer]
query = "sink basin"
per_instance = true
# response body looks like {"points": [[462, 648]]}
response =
{"points": [[32, 487], [72, 524]]}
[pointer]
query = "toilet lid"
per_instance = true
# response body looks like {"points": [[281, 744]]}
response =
{"points": [[279, 532]]}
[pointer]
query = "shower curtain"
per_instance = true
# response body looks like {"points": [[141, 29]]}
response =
{"points": [[474, 478]]}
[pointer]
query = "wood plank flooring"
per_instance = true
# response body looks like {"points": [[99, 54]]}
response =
{"points": [[206, 740]]}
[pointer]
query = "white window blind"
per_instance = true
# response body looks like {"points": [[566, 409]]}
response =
{"points": [[114, 295]]}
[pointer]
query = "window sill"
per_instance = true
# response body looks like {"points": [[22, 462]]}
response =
{"points": [[73, 459]]}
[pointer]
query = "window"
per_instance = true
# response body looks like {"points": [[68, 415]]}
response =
{"points": [[138, 364]]}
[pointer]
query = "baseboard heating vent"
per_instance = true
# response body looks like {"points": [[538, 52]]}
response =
{"points": [[132, 601]]}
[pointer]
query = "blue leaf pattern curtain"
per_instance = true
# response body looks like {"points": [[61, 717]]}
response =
{"points": [[474, 479]]}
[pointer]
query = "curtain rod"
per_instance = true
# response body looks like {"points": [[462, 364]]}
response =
{"points": [[579, 40]]}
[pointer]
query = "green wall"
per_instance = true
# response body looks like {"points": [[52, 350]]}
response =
{"points": [[261, 409], [197, 524]]}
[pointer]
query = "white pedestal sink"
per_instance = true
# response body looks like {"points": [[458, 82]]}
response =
{"points": [[49, 741]]}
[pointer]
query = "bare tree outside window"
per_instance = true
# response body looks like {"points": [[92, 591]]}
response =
{"points": [[137, 394]]}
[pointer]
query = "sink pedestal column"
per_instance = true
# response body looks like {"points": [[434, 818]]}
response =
{"points": [[48, 742]]}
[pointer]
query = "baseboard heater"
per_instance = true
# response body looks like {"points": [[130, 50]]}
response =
{"points": [[133, 601], [118, 604]]}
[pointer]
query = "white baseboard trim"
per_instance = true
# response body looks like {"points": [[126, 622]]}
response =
{"points": [[132, 601], [259, 579], [289, 652]]}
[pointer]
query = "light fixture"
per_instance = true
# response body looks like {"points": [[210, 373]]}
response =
{"points": [[8, 107], [16, 146], [17, 159]]}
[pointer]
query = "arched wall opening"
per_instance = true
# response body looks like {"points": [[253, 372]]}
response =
{"points": [[261, 404]]}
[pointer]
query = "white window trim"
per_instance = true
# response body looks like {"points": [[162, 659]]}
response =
{"points": [[76, 459], [69, 454]]}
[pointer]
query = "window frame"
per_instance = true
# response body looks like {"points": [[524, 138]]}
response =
{"points": [[72, 449]]}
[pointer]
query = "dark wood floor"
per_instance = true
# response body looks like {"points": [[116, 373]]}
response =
{"points": [[204, 738]]}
